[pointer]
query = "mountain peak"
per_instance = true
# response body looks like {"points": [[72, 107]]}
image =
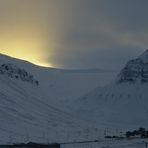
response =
{"points": [[135, 70], [144, 56]]}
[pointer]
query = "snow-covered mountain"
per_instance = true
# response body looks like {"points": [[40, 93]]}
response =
{"points": [[124, 102], [30, 97], [63, 84], [135, 70]]}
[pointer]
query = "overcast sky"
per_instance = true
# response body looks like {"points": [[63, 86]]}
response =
{"points": [[74, 33]]}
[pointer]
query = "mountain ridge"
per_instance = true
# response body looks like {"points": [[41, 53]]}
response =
{"points": [[135, 70], [122, 103], [36, 112]]}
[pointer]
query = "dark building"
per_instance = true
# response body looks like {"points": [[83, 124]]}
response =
{"points": [[31, 145]]}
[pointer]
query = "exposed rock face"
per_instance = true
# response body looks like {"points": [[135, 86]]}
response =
{"points": [[135, 70], [13, 71]]}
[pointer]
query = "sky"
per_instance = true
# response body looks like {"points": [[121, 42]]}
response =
{"points": [[74, 33]]}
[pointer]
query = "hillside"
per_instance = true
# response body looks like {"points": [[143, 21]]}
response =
{"points": [[122, 103], [61, 83], [30, 96]]}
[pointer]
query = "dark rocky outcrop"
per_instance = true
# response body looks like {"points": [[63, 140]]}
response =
{"points": [[135, 70], [13, 71]]}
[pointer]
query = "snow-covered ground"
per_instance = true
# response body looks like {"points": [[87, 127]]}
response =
{"points": [[52, 105], [122, 103], [64, 84], [25, 115], [34, 113], [135, 143]]}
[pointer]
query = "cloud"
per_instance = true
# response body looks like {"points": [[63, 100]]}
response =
{"points": [[77, 33]]}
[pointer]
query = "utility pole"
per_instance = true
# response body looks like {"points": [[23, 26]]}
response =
{"points": [[146, 144], [10, 139]]}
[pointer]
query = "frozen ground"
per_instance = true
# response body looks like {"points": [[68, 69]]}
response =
{"points": [[123, 103], [136, 143], [60, 84], [33, 113]]}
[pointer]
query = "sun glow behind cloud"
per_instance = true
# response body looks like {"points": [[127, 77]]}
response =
{"points": [[26, 52], [73, 33], [24, 32], [24, 56], [27, 44]]}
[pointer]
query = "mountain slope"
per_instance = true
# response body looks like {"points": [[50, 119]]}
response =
{"points": [[30, 98], [63, 84], [24, 114], [124, 102]]}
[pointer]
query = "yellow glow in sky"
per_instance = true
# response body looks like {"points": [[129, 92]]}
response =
{"points": [[27, 44], [26, 31], [27, 55], [28, 52]]}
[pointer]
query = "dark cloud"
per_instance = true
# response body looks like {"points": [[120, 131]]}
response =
{"points": [[110, 58], [105, 33]]}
